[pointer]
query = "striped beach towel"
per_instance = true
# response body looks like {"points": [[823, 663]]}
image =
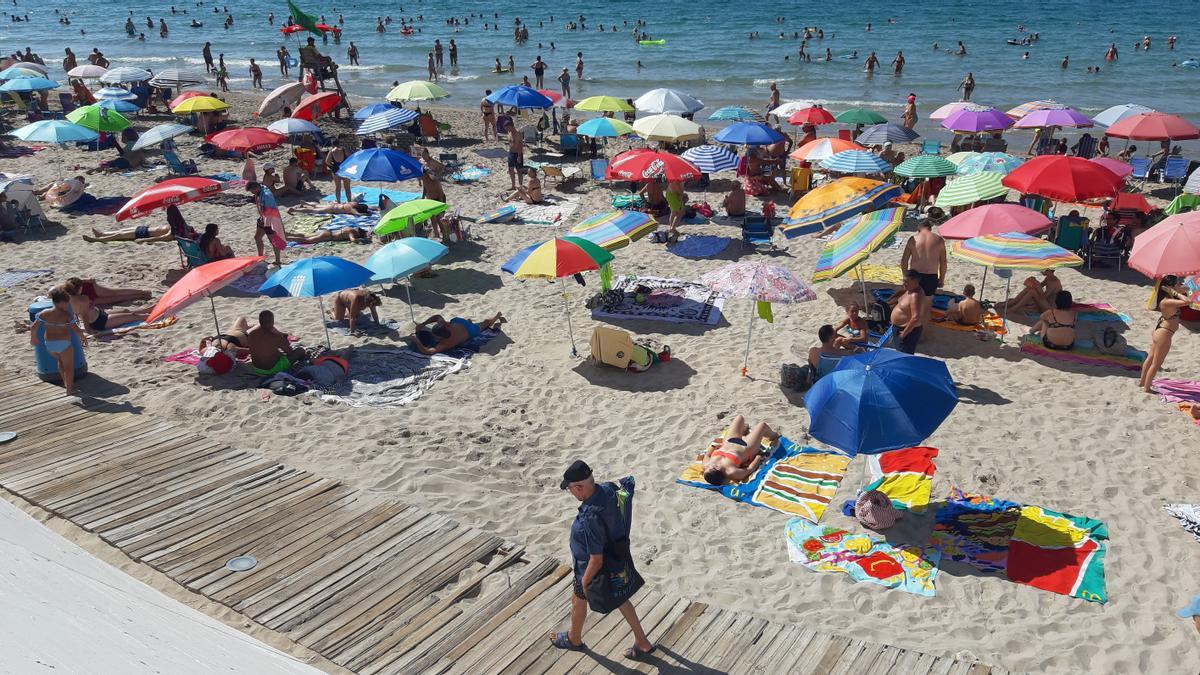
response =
{"points": [[905, 476], [1091, 311], [1085, 354]]}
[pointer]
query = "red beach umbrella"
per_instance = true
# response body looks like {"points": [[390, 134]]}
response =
{"points": [[312, 107], [1154, 126], [811, 115], [200, 282], [168, 192], [248, 139], [643, 165], [1064, 179], [1130, 201]]}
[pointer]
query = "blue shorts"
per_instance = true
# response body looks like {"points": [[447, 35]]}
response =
{"points": [[472, 329]]}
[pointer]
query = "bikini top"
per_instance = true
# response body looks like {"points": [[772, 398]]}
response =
{"points": [[1053, 323]]}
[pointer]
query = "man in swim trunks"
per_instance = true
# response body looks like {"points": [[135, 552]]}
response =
{"points": [[436, 335], [907, 325], [516, 154], [925, 253], [270, 350], [969, 311], [738, 454]]}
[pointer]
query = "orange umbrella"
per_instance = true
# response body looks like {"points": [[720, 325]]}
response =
{"points": [[201, 281], [312, 107], [822, 148]]}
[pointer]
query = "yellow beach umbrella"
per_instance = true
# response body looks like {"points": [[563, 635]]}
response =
{"points": [[198, 104], [668, 128], [416, 90], [603, 104]]}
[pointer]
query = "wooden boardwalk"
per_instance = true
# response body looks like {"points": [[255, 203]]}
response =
{"points": [[373, 585]]}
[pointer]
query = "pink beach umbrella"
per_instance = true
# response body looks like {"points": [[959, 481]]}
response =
{"points": [[947, 110], [1170, 247], [1116, 166], [994, 219]]}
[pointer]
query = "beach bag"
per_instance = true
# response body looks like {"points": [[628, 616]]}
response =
{"points": [[1109, 341], [618, 580], [796, 377], [878, 316]]}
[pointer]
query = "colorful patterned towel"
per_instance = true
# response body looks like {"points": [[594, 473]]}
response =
{"points": [[367, 222], [10, 278], [799, 481], [905, 476], [975, 530], [990, 322], [130, 327], [547, 214], [825, 548], [700, 303], [1188, 515], [1177, 391], [392, 376], [1081, 353], [1091, 311], [471, 173], [308, 223], [699, 246]]}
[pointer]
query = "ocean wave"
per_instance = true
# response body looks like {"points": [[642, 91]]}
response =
{"points": [[457, 78], [352, 69], [765, 82]]}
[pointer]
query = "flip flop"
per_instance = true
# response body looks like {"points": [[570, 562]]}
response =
{"points": [[6, 436], [636, 653], [563, 641]]}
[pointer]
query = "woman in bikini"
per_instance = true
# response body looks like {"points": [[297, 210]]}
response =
{"points": [[350, 208], [738, 454], [333, 162], [1169, 302], [354, 235], [234, 340], [59, 323], [103, 295], [1057, 324], [212, 246]]}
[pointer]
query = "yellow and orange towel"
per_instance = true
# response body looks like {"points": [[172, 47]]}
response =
{"points": [[905, 476], [991, 321]]}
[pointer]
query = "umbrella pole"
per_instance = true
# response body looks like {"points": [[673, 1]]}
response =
{"points": [[749, 335], [567, 309], [214, 311], [983, 285], [1004, 320], [321, 304], [862, 282], [408, 290]]}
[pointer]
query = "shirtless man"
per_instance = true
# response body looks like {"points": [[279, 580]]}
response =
{"points": [[906, 315], [350, 303], [968, 312], [436, 335], [270, 351], [294, 178], [925, 253], [489, 114], [830, 346], [1036, 296], [738, 454], [516, 154]]}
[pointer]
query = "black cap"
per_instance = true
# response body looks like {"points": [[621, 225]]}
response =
{"points": [[579, 470]]}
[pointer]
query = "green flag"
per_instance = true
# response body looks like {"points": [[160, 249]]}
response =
{"points": [[307, 21]]}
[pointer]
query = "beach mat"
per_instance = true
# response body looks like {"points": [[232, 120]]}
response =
{"points": [[700, 304], [10, 278], [905, 476], [1085, 354], [111, 333], [1188, 516], [796, 480], [990, 322], [307, 223], [230, 199], [384, 377], [883, 274], [865, 559], [470, 174], [18, 151], [370, 195], [1091, 311], [699, 246], [92, 205], [547, 214], [1177, 391], [365, 327]]}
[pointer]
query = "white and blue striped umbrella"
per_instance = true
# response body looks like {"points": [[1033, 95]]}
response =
{"points": [[855, 161], [125, 74], [290, 125], [711, 158], [160, 133], [118, 105], [386, 120], [114, 94], [174, 77], [370, 109], [54, 131]]}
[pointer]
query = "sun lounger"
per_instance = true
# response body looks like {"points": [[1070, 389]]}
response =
{"points": [[560, 174]]}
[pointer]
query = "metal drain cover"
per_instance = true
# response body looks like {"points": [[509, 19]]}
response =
{"points": [[242, 563]]}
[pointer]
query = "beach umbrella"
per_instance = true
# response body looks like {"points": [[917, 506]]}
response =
{"points": [[380, 165], [1116, 113], [54, 131], [994, 219], [957, 158], [667, 128], [164, 194], [614, 229], [748, 133], [118, 105], [386, 119], [854, 242], [560, 257], [1014, 250], [199, 282], [711, 158], [87, 72], [27, 84], [789, 108], [1121, 169], [836, 201], [176, 78], [977, 187], [822, 148], [1192, 186], [1062, 178], [1170, 247], [1154, 126], [160, 133], [886, 133], [114, 94], [604, 127], [557, 99], [410, 213], [735, 113], [995, 162], [124, 75], [281, 97], [925, 166], [371, 109], [98, 119], [814, 115], [198, 104], [517, 96], [1130, 201], [859, 116], [973, 119], [1026, 108], [315, 277], [881, 400], [17, 71], [855, 161], [658, 101], [39, 68], [291, 125], [246, 139], [1060, 116], [312, 107], [402, 259], [603, 104], [185, 96], [642, 165], [947, 110], [416, 90], [761, 283]]}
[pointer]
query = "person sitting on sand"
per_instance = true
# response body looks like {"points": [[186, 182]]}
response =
{"points": [[96, 319], [347, 305], [236, 339], [270, 350], [967, 312], [351, 208], [735, 202], [854, 324], [211, 246], [738, 454], [59, 322], [103, 295], [295, 179], [653, 192], [530, 192], [1056, 326], [831, 345], [436, 335], [1036, 296], [354, 235]]}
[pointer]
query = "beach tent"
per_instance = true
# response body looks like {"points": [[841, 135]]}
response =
{"points": [[24, 195]]}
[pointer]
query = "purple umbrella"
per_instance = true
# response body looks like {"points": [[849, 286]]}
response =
{"points": [[974, 119], [1053, 117]]}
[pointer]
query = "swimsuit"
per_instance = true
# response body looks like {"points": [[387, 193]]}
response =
{"points": [[515, 161], [929, 283], [737, 460], [101, 320], [674, 201], [472, 329], [141, 232], [232, 339], [1050, 345], [1161, 319], [908, 344], [280, 365], [57, 346]]}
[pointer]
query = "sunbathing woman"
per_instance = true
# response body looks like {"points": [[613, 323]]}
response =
{"points": [[59, 323], [351, 208], [233, 340], [103, 295], [530, 193], [1169, 302], [355, 235], [1057, 324], [738, 454], [211, 245], [94, 319], [436, 335]]}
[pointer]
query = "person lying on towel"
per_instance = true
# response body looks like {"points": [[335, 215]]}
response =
{"points": [[436, 335], [738, 454]]}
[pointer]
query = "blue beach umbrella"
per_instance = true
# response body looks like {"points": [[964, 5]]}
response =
{"points": [[855, 161], [27, 84], [118, 105], [403, 258], [879, 401], [314, 277], [604, 127], [734, 113], [380, 165], [54, 131], [16, 72], [517, 96], [711, 158], [371, 109], [114, 93], [386, 119], [748, 133]]}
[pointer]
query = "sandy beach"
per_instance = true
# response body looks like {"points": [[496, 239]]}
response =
{"points": [[487, 445]]}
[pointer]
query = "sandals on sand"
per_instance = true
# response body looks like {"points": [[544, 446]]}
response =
{"points": [[563, 641], [636, 653]]}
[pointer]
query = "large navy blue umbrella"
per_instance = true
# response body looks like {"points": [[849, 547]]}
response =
{"points": [[380, 165], [879, 401], [517, 96], [748, 133]]}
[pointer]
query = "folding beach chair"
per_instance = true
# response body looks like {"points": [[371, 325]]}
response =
{"points": [[568, 143], [826, 364], [757, 232], [560, 174], [598, 168], [1141, 169], [1046, 146], [1039, 204], [177, 166], [800, 181], [1086, 148], [929, 147], [1174, 170], [1071, 233], [1108, 244], [190, 254]]}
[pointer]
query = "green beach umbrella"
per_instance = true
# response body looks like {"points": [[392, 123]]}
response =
{"points": [[98, 119], [859, 116], [416, 90], [926, 166], [976, 187], [408, 214], [306, 21]]}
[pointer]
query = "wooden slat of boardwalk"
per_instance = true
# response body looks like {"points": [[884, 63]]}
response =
{"points": [[372, 585]]}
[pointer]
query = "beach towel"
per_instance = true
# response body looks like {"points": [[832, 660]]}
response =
{"points": [[342, 221], [370, 195], [365, 327], [101, 206], [884, 274], [233, 199], [1091, 311], [191, 357], [470, 174], [796, 480], [17, 151], [974, 530], [10, 278], [125, 329], [990, 322], [1084, 353], [1059, 553], [827, 548], [1175, 391], [699, 246], [491, 153], [905, 476], [700, 304], [547, 214], [1188, 516], [1186, 409], [941, 299], [382, 377], [145, 169], [250, 282], [308, 224], [228, 176]]}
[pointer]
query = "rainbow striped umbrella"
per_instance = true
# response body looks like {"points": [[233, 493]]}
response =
{"points": [[614, 229], [836, 201], [555, 259], [1013, 250], [855, 241]]}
